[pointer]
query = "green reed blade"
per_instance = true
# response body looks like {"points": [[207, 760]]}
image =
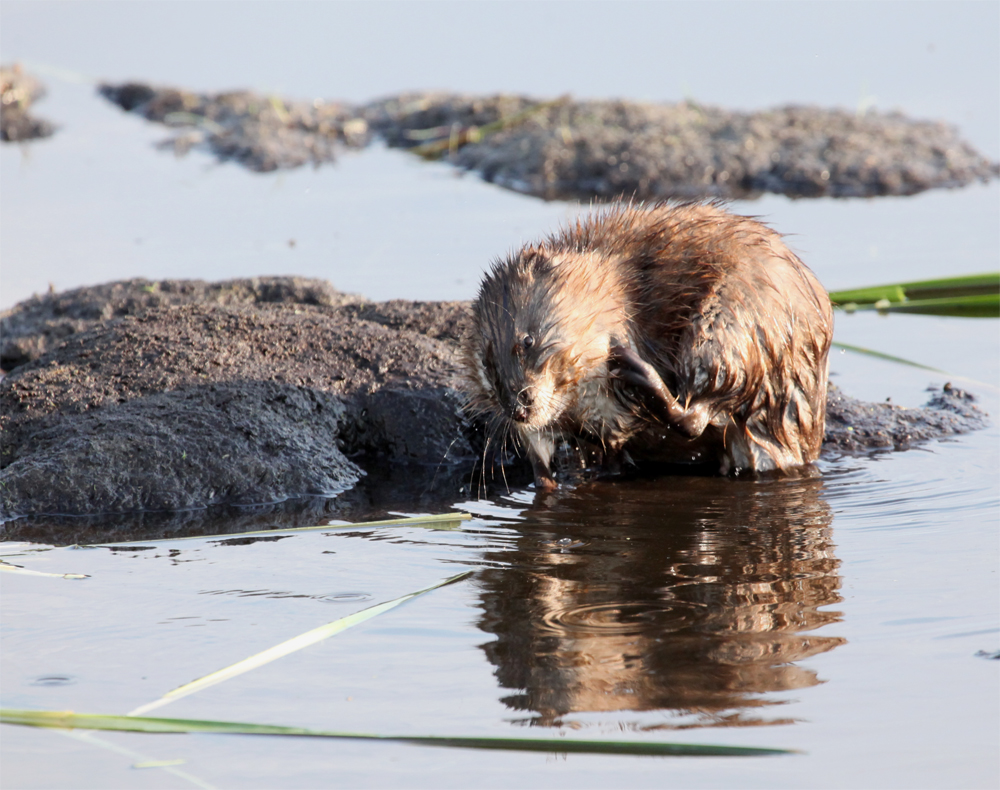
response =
{"points": [[966, 285], [70, 720], [969, 296], [978, 306], [289, 646], [435, 521]]}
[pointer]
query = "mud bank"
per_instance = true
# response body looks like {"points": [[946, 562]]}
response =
{"points": [[234, 400], [18, 91], [583, 149], [139, 396]]}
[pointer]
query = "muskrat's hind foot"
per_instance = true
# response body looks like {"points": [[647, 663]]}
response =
{"points": [[626, 365]]}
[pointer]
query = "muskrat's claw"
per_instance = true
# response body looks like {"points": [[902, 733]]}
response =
{"points": [[626, 365]]}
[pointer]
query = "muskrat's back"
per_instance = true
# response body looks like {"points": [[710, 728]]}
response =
{"points": [[682, 333]]}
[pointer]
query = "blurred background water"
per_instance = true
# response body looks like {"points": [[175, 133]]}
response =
{"points": [[96, 202]]}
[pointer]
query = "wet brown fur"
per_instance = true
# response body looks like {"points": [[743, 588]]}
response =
{"points": [[735, 326]]}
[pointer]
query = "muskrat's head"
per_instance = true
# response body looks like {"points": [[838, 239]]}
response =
{"points": [[541, 325]]}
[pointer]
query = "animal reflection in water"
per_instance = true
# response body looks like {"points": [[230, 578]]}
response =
{"points": [[696, 596]]}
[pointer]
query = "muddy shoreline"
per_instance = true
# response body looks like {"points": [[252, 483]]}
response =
{"points": [[180, 396], [558, 148], [564, 148]]}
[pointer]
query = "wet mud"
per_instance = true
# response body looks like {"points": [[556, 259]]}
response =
{"points": [[584, 149], [180, 396], [18, 91], [262, 133], [39, 324], [855, 426]]}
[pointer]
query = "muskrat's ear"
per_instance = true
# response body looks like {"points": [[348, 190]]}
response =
{"points": [[534, 260]]}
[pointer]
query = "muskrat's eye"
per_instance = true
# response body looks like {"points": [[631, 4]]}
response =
{"points": [[528, 341]]}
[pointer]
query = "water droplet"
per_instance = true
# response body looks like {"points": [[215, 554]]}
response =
{"points": [[54, 680], [345, 597]]}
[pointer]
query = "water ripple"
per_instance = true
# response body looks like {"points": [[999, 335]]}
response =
{"points": [[620, 618]]}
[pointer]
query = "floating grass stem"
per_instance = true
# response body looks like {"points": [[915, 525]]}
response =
{"points": [[70, 720], [289, 646], [9, 568], [435, 521]]}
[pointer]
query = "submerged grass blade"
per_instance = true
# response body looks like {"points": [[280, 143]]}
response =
{"points": [[889, 357], [70, 720], [435, 521], [900, 360], [289, 646], [6, 566], [139, 760]]}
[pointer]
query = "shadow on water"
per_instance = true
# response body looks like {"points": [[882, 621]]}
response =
{"points": [[694, 596], [387, 489]]}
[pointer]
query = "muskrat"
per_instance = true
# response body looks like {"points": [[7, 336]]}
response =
{"points": [[676, 332]]}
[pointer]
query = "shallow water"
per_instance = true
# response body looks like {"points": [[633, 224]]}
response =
{"points": [[838, 614]]}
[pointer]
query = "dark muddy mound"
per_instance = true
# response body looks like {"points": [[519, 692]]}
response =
{"points": [[855, 426], [606, 149], [127, 398], [184, 406], [262, 133], [18, 91], [584, 149]]}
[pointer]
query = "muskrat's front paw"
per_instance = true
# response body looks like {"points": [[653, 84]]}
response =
{"points": [[626, 365], [545, 484]]}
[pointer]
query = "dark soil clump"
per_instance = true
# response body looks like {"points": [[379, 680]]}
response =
{"points": [[17, 92], [854, 426]]}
